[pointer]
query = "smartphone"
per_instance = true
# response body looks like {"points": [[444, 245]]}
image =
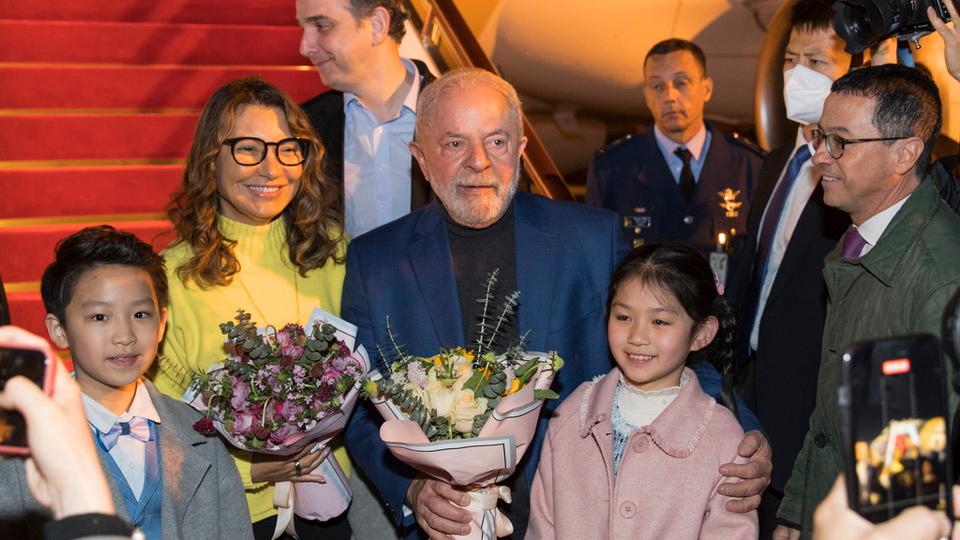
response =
{"points": [[34, 365], [893, 404]]}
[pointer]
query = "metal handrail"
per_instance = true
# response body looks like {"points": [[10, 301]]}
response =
{"points": [[770, 114], [447, 36]]}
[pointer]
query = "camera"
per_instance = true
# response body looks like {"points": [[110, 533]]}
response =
{"points": [[865, 23]]}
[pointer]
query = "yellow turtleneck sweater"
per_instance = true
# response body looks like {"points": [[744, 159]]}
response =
{"points": [[270, 290]]}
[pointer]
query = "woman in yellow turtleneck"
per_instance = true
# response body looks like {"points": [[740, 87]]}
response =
{"points": [[258, 228]]}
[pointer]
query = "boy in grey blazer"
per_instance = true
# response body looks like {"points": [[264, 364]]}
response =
{"points": [[104, 296]]}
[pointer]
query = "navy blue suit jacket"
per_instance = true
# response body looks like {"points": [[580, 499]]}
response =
{"points": [[565, 253], [631, 177]]}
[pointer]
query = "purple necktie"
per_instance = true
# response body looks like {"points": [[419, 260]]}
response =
{"points": [[852, 244]]}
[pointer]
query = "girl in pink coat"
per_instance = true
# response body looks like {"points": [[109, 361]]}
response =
{"points": [[635, 454]]}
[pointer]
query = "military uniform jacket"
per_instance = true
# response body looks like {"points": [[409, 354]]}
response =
{"points": [[902, 286], [631, 177]]}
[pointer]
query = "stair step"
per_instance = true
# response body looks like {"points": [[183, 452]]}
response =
{"points": [[87, 190], [25, 251], [96, 136], [272, 12], [27, 311], [71, 86], [148, 43]]}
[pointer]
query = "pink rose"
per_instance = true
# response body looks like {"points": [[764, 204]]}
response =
{"points": [[290, 410], [242, 424], [240, 393], [291, 352]]}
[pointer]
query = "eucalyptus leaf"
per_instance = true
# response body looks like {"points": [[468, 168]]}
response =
{"points": [[545, 394]]}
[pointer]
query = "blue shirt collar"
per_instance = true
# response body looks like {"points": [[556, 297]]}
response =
{"points": [[694, 145], [409, 103]]}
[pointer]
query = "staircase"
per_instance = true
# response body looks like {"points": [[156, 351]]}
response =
{"points": [[98, 103]]}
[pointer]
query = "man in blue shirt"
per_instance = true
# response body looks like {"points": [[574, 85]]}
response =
{"points": [[681, 180], [366, 121]]}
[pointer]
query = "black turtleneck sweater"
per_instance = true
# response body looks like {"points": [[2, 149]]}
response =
{"points": [[476, 253]]}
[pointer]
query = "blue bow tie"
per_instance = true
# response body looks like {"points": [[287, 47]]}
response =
{"points": [[138, 427]]}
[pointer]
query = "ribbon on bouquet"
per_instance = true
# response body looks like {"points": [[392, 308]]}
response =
{"points": [[490, 521], [283, 499], [312, 500]]}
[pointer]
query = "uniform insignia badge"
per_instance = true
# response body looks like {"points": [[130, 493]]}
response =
{"points": [[729, 202]]}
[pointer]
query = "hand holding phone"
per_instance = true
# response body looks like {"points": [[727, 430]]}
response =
{"points": [[833, 520], [36, 367], [894, 409], [63, 470]]}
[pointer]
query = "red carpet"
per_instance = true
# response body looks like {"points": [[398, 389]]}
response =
{"points": [[148, 43], [272, 12], [38, 86], [96, 136], [135, 189], [39, 241], [98, 106]]}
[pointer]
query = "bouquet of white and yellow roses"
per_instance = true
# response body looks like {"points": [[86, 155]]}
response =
{"points": [[466, 416]]}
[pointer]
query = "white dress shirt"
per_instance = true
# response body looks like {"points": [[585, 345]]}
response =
{"points": [[803, 187], [873, 228], [129, 453], [376, 161]]}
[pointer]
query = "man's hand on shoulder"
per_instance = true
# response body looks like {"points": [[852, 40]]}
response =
{"points": [[435, 504], [751, 478]]}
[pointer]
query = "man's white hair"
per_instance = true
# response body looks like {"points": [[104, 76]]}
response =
{"points": [[462, 78]]}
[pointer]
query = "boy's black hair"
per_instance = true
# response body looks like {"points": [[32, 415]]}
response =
{"points": [[89, 248]]}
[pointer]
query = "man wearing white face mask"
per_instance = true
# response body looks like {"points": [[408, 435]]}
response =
{"points": [[780, 289]]}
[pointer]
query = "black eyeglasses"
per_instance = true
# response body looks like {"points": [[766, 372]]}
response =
{"points": [[836, 144], [252, 151]]}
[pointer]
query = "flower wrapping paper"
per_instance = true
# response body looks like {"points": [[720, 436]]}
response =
{"points": [[309, 500], [476, 463]]}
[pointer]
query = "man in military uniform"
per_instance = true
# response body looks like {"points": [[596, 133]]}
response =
{"points": [[681, 180]]}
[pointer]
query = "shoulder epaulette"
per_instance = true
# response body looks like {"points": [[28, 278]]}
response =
{"points": [[736, 139], [614, 144]]}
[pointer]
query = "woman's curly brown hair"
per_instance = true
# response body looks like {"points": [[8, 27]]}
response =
{"points": [[313, 219]]}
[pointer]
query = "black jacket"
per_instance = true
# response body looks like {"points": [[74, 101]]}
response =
{"points": [[782, 380]]}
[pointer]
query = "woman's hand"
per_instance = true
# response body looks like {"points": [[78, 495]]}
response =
{"points": [[284, 468]]}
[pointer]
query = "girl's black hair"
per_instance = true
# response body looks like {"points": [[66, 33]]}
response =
{"points": [[685, 273]]}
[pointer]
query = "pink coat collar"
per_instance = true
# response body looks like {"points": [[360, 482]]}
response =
{"points": [[677, 431]]}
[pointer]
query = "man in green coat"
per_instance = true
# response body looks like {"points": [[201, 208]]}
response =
{"points": [[898, 264]]}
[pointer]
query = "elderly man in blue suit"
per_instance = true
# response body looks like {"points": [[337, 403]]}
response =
{"points": [[425, 271]]}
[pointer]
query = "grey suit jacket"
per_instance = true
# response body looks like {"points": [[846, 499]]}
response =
{"points": [[203, 496]]}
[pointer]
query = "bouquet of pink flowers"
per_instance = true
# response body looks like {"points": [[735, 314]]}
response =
{"points": [[466, 417], [279, 391]]}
